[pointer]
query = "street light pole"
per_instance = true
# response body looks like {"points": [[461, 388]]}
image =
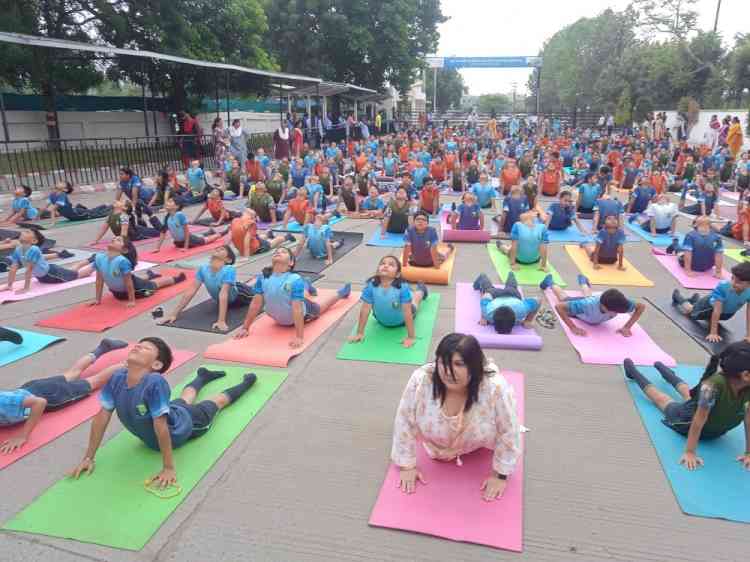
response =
{"points": [[716, 19]]}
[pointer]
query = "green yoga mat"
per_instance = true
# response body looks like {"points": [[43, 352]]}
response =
{"points": [[383, 345], [526, 274], [735, 254], [111, 507]]}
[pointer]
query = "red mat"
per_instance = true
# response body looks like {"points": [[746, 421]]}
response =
{"points": [[53, 424], [169, 252], [113, 312]]}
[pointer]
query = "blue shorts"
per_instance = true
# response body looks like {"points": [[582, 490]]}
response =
{"points": [[57, 274], [201, 413], [245, 294], [58, 391], [143, 288], [312, 310]]}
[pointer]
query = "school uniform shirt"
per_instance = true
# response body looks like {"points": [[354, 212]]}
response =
{"points": [[279, 291], [387, 304], [23, 204], [607, 208], [530, 239], [629, 177], [176, 225], [421, 245], [703, 248], [426, 158], [317, 238], [514, 208], [484, 193], [418, 176], [642, 196], [298, 176], [589, 309], [214, 281], [12, 410], [369, 204], [662, 214], [139, 406], [730, 300], [520, 307], [196, 178], [427, 198], [468, 216], [144, 193], [59, 200], [610, 242], [262, 205], [113, 270], [492, 423], [31, 255], [561, 217]]}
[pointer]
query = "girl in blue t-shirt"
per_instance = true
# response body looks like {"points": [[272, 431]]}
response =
{"points": [[467, 215], [282, 294], [21, 209], [529, 242], [59, 205], [176, 223], [318, 238], [391, 301], [220, 279]]}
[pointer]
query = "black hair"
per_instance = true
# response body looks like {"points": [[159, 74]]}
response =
{"points": [[127, 171], [268, 270], [26, 190], [565, 193], [733, 360], [231, 257], [503, 319], [38, 235], [470, 351], [614, 300], [422, 214], [742, 271], [129, 251], [604, 170], [163, 352], [375, 280], [68, 187]]}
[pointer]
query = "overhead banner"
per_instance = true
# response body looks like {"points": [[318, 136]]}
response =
{"points": [[483, 62]]}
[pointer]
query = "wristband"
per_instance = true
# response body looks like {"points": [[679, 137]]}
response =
{"points": [[501, 476]]}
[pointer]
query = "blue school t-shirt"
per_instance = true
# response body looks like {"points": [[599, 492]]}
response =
{"points": [[561, 217], [520, 307], [214, 281], [468, 216], [421, 245], [642, 196], [514, 208], [176, 225], [610, 242], [387, 303], [372, 205], [418, 176], [196, 178], [629, 177], [589, 309], [139, 406], [484, 193], [113, 271], [298, 176], [144, 193], [32, 255], [389, 164], [317, 238], [279, 290], [23, 204], [704, 248], [530, 239], [312, 189], [58, 199], [731, 301], [426, 158], [12, 410], [607, 208], [310, 161]]}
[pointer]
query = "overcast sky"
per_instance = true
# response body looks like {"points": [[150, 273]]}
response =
{"points": [[497, 28]]}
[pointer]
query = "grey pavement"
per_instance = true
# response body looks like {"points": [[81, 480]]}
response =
{"points": [[299, 483]]}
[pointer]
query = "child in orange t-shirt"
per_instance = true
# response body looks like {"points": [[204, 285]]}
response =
{"points": [[429, 197], [549, 180], [437, 169], [510, 176], [299, 209], [360, 162], [739, 230], [215, 206], [245, 237], [403, 153]]}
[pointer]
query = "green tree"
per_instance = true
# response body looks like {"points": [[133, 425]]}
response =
{"points": [[499, 103], [738, 62], [450, 87], [624, 111]]}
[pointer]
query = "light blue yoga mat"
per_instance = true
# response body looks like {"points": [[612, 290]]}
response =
{"points": [[718, 489], [570, 234], [629, 236], [390, 241], [294, 226], [32, 342], [658, 240]]}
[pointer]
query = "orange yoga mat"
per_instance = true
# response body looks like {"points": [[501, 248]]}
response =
{"points": [[441, 276]]}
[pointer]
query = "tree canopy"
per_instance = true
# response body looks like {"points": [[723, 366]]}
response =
{"points": [[450, 88]]}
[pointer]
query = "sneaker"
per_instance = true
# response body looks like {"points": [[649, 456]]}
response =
{"points": [[677, 298], [547, 282], [290, 237], [672, 248], [151, 274], [583, 280], [345, 291], [422, 287], [270, 234], [64, 254]]}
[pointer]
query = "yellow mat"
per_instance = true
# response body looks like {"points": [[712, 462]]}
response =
{"points": [[608, 274]]}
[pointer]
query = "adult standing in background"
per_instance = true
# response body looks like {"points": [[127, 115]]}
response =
{"points": [[659, 127], [281, 142], [378, 124], [297, 138], [221, 145], [238, 142], [187, 142], [713, 131], [610, 124], [734, 137], [724, 131]]}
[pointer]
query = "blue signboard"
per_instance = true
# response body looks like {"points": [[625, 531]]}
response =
{"points": [[492, 62]]}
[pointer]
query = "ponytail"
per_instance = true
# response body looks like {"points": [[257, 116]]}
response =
{"points": [[733, 360]]}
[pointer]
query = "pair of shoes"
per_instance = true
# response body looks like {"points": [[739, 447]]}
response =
{"points": [[546, 319], [64, 254]]}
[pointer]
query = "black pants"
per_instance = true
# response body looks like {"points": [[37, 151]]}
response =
{"points": [[510, 289], [82, 213]]}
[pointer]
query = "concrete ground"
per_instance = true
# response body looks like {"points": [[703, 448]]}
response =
{"points": [[299, 483]]}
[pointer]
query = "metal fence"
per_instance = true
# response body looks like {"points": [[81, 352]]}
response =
{"points": [[42, 163]]}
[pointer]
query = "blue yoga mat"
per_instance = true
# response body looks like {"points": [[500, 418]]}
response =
{"points": [[32, 342], [718, 489], [390, 240], [570, 234], [658, 240], [294, 226], [629, 236]]}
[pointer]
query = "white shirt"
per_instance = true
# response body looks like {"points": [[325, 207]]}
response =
{"points": [[662, 214]]}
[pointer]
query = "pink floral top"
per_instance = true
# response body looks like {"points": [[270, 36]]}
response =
{"points": [[491, 423]]}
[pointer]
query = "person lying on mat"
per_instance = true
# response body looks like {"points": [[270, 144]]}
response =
{"points": [[142, 398], [176, 223], [28, 255], [716, 405], [701, 250], [219, 276], [397, 214], [529, 242], [661, 216], [421, 244], [727, 298], [593, 308], [245, 236], [214, 204], [391, 301], [504, 308], [607, 205], [429, 197], [609, 246], [467, 215], [6, 334], [26, 404], [59, 205], [454, 406], [561, 214], [317, 237], [21, 209], [114, 268], [282, 294], [299, 209], [121, 221], [641, 197], [263, 204]]}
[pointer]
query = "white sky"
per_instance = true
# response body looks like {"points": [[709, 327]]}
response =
{"points": [[498, 28]]}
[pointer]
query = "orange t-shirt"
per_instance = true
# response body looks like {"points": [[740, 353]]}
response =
{"points": [[550, 182], [254, 170], [360, 161], [403, 153], [427, 198], [437, 171], [239, 228], [618, 172], [450, 161], [299, 208], [510, 178], [743, 218], [215, 207]]}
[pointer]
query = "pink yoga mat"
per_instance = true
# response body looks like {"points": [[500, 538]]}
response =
{"points": [[40, 289], [268, 342], [112, 312], [451, 235], [704, 280], [467, 322], [103, 244], [733, 195], [451, 505], [604, 346], [169, 252], [53, 424]]}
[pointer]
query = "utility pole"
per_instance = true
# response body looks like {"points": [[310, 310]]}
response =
{"points": [[716, 20], [434, 91], [514, 85]]}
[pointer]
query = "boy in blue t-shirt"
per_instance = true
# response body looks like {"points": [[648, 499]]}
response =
{"points": [[588, 193], [21, 208], [504, 308], [318, 238], [641, 197], [484, 192], [727, 298], [562, 214], [607, 206], [467, 215], [196, 178], [609, 247], [142, 398], [514, 206], [529, 244], [421, 244], [701, 250]]}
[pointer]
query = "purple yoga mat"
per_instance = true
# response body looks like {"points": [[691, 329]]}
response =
{"points": [[704, 280], [604, 346], [467, 322]]}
